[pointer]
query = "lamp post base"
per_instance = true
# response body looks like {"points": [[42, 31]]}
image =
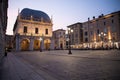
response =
{"points": [[40, 50], [69, 52]]}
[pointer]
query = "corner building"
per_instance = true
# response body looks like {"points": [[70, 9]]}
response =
{"points": [[105, 24], [3, 25], [76, 37], [59, 39], [32, 31], [97, 33]]}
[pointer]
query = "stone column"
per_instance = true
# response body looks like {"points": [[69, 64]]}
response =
{"points": [[42, 44], [52, 44], [31, 44], [17, 43]]}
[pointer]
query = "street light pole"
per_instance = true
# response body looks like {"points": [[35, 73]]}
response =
{"points": [[89, 32], [69, 41], [102, 35]]}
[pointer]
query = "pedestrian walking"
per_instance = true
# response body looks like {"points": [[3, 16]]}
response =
{"points": [[6, 52]]}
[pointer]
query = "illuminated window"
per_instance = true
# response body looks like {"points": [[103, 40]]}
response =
{"points": [[25, 29]]}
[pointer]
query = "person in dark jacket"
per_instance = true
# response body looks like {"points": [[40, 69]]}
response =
{"points": [[6, 52]]}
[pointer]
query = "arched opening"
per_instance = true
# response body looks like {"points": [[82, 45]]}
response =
{"points": [[47, 44], [25, 44], [61, 46], [36, 44]]}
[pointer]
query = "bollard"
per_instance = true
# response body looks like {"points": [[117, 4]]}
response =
{"points": [[5, 53]]}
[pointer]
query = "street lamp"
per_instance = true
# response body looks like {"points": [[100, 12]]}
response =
{"points": [[102, 35], [113, 42], [68, 32], [40, 44]]}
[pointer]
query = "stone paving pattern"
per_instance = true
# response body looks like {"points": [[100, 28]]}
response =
{"points": [[58, 65]]}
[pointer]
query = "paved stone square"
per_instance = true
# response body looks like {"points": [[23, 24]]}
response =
{"points": [[58, 65]]}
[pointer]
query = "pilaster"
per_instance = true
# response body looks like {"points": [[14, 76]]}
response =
{"points": [[52, 44], [31, 44], [42, 44], [17, 42]]}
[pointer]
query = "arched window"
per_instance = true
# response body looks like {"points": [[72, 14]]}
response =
{"points": [[36, 31], [25, 29], [46, 31]]}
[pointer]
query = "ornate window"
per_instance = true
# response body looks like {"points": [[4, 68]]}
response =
{"points": [[25, 29], [46, 31], [36, 30]]}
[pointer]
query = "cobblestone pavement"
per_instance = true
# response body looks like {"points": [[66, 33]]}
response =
{"points": [[12, 68], [81, 65]]}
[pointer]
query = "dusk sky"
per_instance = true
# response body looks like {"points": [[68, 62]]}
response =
{"points": [[64, 12]]}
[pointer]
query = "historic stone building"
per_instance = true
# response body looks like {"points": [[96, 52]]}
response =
{"points": [[33, 30], [59, 39], [103, 31], [3, 25], [9, 41], [76, 37]]}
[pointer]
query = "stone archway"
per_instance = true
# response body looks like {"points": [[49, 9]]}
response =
{"points": [[25, 44], [36, 44], [47, 44], [61, 45]]}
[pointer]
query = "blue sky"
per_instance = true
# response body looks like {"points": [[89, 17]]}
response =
{"points": [[64, 12]]}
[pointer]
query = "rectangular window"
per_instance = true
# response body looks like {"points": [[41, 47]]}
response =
{"points": [[105, 30], [86, 39], [76, 35], [112, 21], [36, 30], [91, 32], [104, 23], [46, 31], [86, 33], [98, 31], [60, 33], [25, 29]]}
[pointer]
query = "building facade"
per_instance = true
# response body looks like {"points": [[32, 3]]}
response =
{"points": [[76, 37], [102, 32], [9, 41], [59, 39], [97, 33], [33, 30], [3, 25]]}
